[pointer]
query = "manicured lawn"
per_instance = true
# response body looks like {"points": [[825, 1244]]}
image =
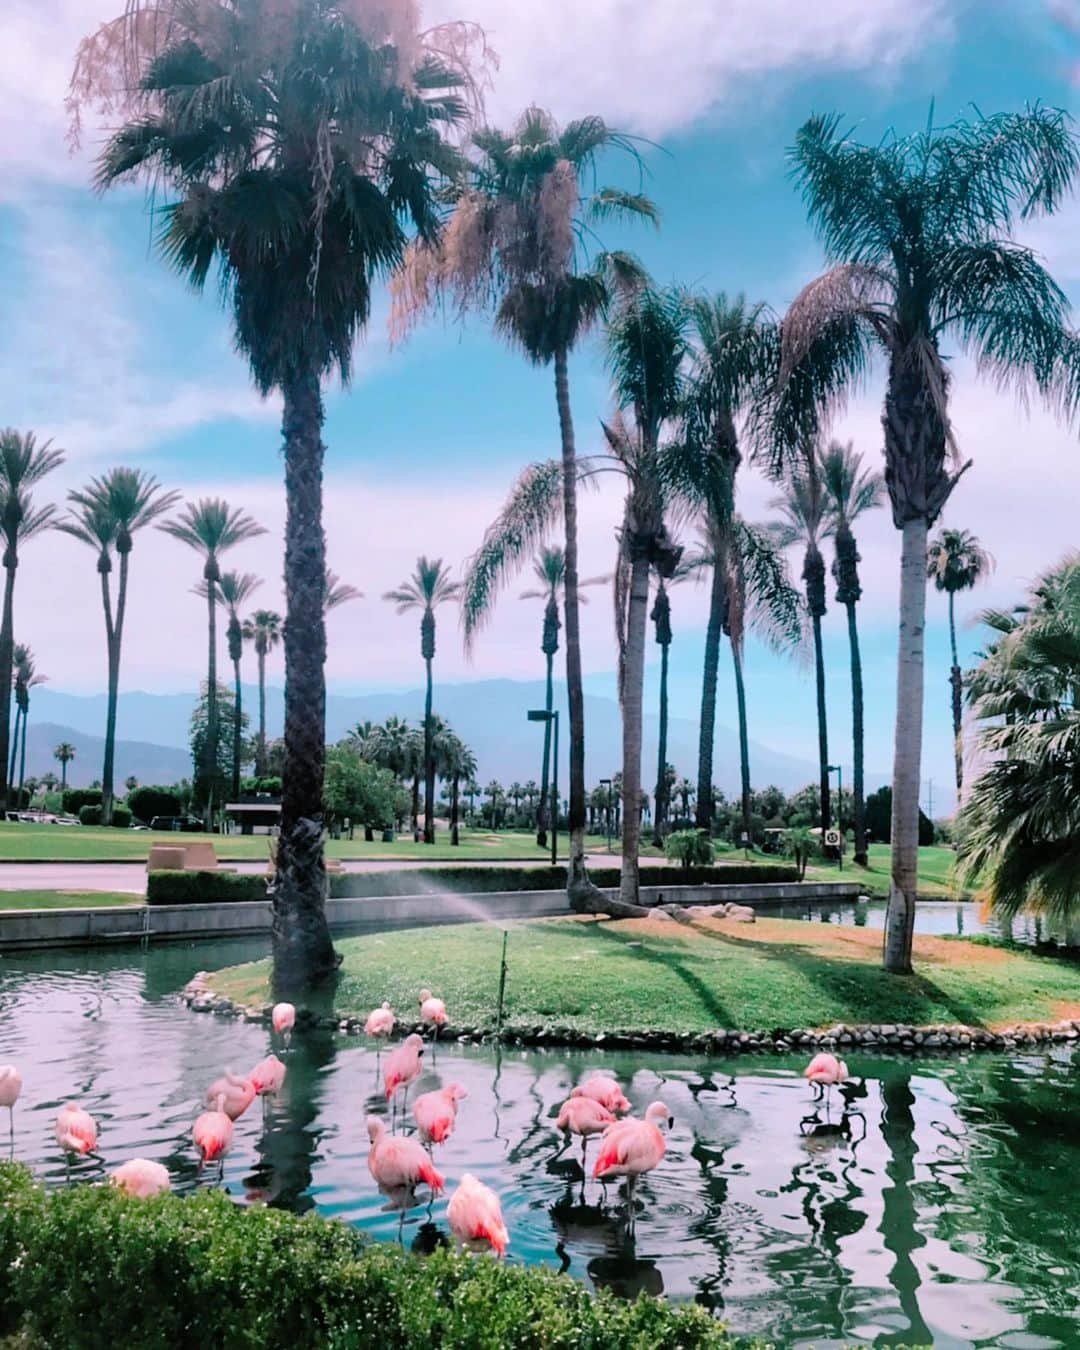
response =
{"points": [[65, 899], [650, 975], [935, 871]]}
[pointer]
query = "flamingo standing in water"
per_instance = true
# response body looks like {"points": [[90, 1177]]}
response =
{"points": [[630, 1148], [10, 1087], [399, 1164], [267, 1078], [475, 1216], [402, 1066], [584, 1117], [380, 1024], [283, 1019], [436, 1113], [432, 1012], [603, 1088], [76, 1132], [825, 1071], [141, 1177], [233, 1091], [213, 1133]]}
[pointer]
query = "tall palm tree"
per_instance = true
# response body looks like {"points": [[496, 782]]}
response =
{"points": [[211, 527], [917, 229], [297, 154], [234, 590], [26, 677], [429, 587], [851, 490], [495, 795], [646, 348], [661, 617], [957, 562], [65, 753], [518, 240], [400, 750], [338, 592], [106, 515], [805, 522], [23, 463], [263, 628], [455, 763]]}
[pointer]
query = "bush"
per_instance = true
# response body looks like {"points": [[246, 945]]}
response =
{"points": [[690, 848], [91, 815], [76, 798], [203, 888], [879, 819], [203, 1271], [261, 787], [147, 802]]}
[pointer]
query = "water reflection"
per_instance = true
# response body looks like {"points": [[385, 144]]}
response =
{"points": [[927, 1202]]}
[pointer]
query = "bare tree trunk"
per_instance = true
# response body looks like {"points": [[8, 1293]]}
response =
{"points": [[744, 737], [707, 731], [12, 780], [113, 659], [823, 727], [22, 751], [260, 764], [957, 686], [7, 652], [429, 763], [236, 739], [455, 839], [660, 798], [907, 759], [542, 809], [303, 952], [210, 753], [634, 679], [858, 790]]}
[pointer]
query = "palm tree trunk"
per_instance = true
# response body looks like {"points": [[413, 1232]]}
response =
{"points": [[113, 633], [210, 757], [22, 752], [956, 684], [858, 790], [576, 877], [429, 764], [7, 654], [12, 792], [713, 633], [303, 952], [822, 727], [541, 813], [416, 808], [661, 795], [744, 737], [63, 775], [260, 763], [455, 839], [907, 756], [634, 678], [236, 732]]}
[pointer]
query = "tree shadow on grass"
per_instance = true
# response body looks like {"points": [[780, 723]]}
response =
{"points": [[638, 949]]}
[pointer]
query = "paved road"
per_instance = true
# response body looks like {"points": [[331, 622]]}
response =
{"points": [[75, 876]]}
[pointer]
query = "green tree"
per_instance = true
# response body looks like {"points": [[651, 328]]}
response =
{"points": [[106, 515], [429, 587], [297, 149], [211, 781], [917, 229], [517, 241], [262, 629], [851, 490], [956, 561], [233, 590], [23, 463], [25, 676], [456, 762], [359, 790], [65, 753], [211, 527]]}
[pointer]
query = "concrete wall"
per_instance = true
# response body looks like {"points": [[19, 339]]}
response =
{"points": [[79, 927]]}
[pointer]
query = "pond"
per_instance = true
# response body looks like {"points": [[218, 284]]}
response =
{"points": [[946, 1210], [940, 918]]}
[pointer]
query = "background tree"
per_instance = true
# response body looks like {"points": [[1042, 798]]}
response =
{"points": [[211, 782], [851, 490], [429, 587], [358, 790], [25, 677], [23, 463], [456, 762], [917, 228], [297, 153], [65, 753], [957, 562], [517, 242], [233, 590], [106, 515], [338, 592], [661, 617], [263, 630], [211, 527]]}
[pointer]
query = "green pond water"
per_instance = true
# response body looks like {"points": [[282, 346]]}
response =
{"points": [[937, 1202]]}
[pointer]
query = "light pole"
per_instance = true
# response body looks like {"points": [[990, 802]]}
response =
{"points": [[606, 782], [839, 771], [542, 715]]}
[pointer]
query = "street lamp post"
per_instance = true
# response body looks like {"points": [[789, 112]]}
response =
{"points": [[839, 771], [542, 715], [606, 782]]}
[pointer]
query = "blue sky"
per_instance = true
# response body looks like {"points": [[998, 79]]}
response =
{"points": [[106, 351]]}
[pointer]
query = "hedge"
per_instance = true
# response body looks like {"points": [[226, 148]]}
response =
{"points": [[86, 1266], [75, 799], [90, 814], [203, 888]]}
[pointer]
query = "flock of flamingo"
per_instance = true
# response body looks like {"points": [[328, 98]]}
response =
{"points": [[400, 1162]]}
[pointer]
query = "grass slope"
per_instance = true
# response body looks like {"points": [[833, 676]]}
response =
{"points": [[649, 975], [65, 899]]}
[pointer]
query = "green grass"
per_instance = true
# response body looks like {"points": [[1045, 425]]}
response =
{"points": [[639, 975], [935, 871], [66, 899]]}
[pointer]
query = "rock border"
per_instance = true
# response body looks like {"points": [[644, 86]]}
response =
{"points": [[891, 1037]]}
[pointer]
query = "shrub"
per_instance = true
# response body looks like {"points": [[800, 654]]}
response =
{"points": [[203, 888], [91, 815], [261, 787], [147, 802], [203, 1271], [879, 819], [76, 798], [690, 848]]}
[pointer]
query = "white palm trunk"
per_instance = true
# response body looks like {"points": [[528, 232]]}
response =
{"points": [[633, 682]]}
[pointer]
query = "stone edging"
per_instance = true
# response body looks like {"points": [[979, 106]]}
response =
{"points": [[892, 1037]]}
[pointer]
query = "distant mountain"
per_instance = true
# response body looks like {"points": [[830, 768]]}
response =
{"points": [[488, 714], [143, 760]]}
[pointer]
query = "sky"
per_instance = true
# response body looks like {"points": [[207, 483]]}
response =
{"points": [[108, 353]]}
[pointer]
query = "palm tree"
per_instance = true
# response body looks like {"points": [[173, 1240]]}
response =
{"points": [[106, 515], [805, 521], [338, 592], [25, 677], [429, 587], [917, 228], [456, 762], [851, 490], [211, 526], [233, 590], [22, 464], [401, 751], [661, 617], [495, 795], [264, 629], [957, 562], [65, 753], [646, 346], [297, 152], [517, 239]]}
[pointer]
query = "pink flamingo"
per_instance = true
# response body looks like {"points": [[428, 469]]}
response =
{"points": [[399, 1164], [267, 1078], [213, 1133], [630, 1148], [141, 1177], [233, 1092], [436, 1113], [432, 1012], [584, 1117], [76, 1132], [283, 1019], [825, 1071], [10, 1087], [475, 1216], [402, 1066], [603, 1088], [380, 1021]]}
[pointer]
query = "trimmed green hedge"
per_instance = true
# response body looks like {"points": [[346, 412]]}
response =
{"points": [[91, 815], [86, 1266], [203, 888]]}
